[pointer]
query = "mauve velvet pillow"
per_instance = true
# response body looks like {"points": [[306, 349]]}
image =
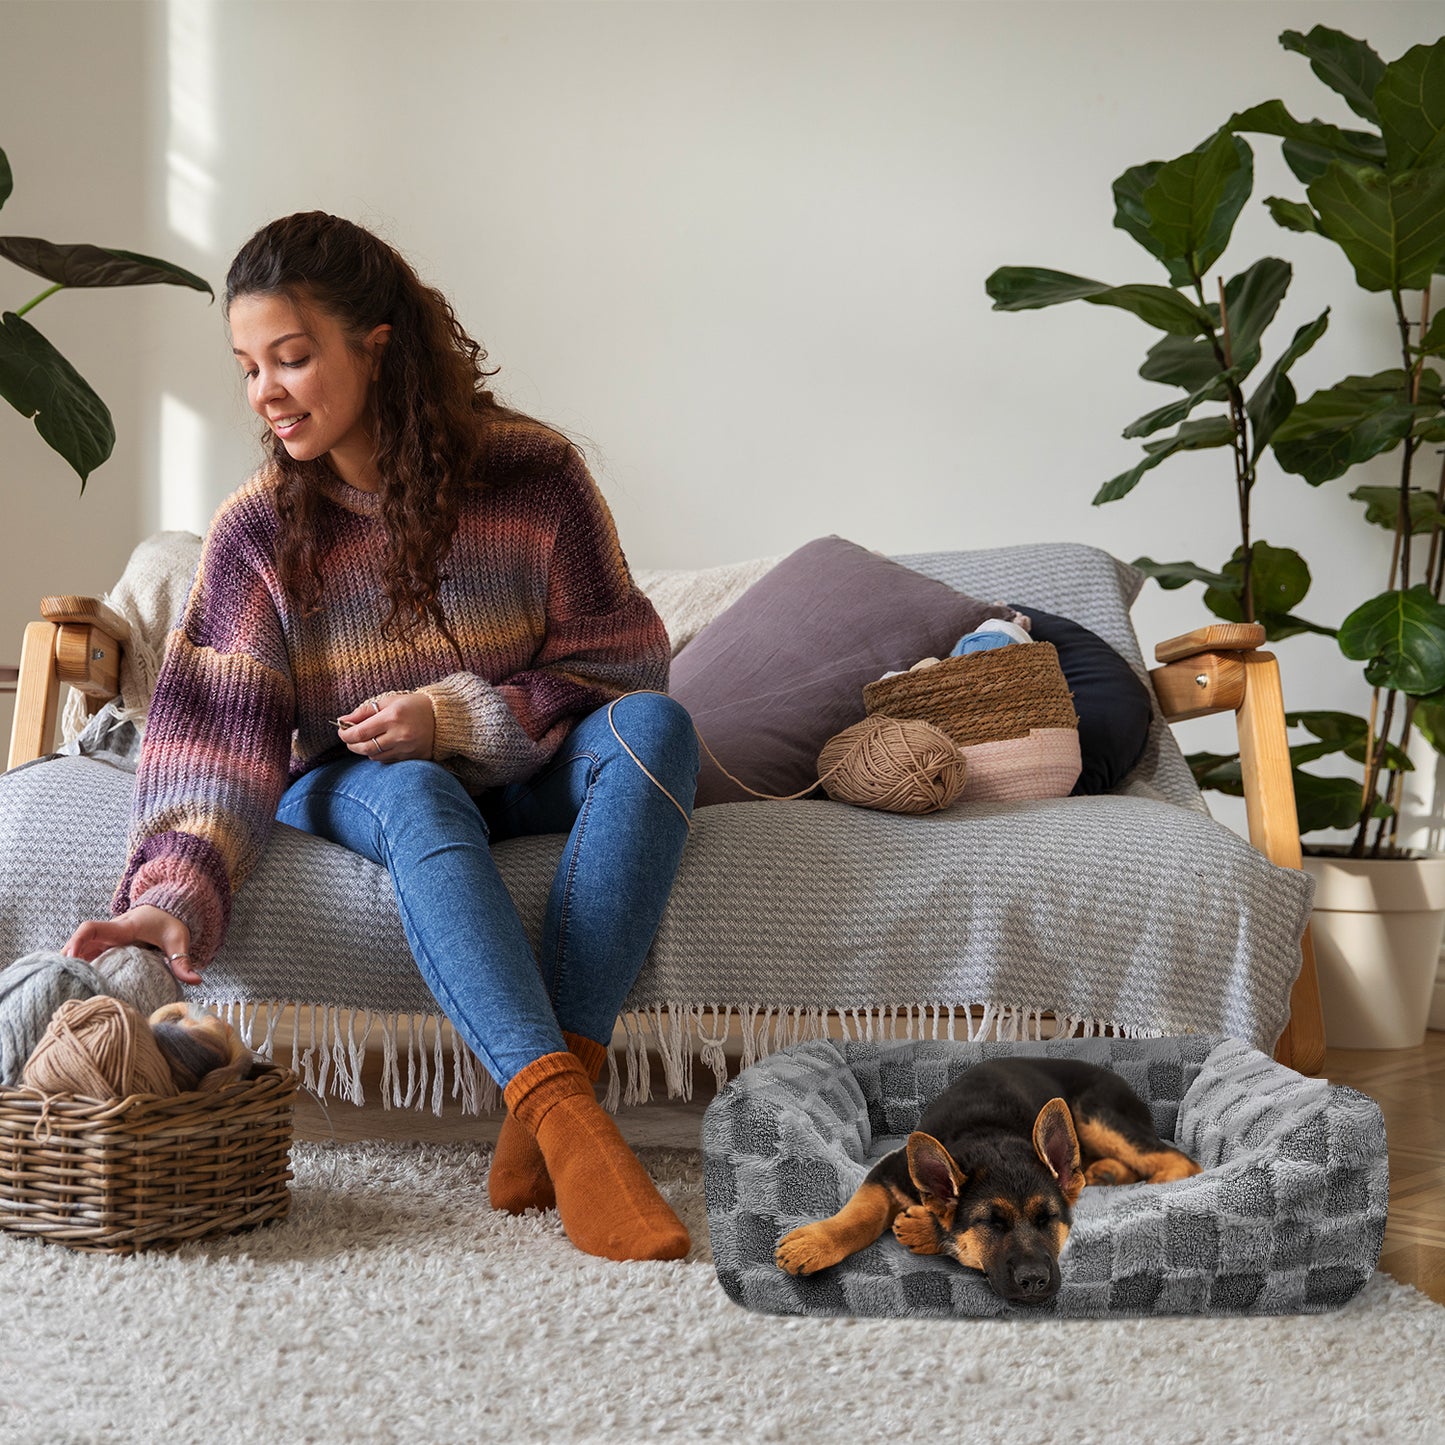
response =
{"points": [[771, 679]]}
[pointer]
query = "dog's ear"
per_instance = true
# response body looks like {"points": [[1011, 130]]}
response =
{"points": [[1058, 1146], [932, 1169]]}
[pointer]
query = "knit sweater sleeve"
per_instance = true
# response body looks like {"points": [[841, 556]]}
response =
{"points": [[603, 639], [217, 740]]}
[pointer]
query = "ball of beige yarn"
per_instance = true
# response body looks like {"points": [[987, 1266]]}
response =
{"points": [[900, 765], [98, 1048]]}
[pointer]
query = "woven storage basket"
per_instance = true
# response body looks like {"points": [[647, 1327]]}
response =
{"points": [[146, 1172], [982, 697]]}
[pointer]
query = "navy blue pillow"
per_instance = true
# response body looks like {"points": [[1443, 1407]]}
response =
{"points": [[1113, 705]]}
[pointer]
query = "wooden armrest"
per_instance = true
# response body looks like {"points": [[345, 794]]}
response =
{"points": [[79, 642], [1196, 686], [1218, 637]]}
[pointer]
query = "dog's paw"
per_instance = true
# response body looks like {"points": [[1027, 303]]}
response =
{"points": [[807, 1249], [1109, 1171], [1171, 1166], [918, 1228]]}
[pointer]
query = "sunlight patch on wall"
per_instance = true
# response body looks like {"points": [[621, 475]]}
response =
{"points": [[183, 505], [192, 138]]}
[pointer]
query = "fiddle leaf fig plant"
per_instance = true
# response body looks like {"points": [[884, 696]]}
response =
{"points": [[1379, 195], [34, 377]]}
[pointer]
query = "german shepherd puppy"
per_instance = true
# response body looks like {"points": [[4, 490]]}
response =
{"points": [[992, 1174]]}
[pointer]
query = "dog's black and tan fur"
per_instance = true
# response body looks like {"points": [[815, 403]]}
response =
{"points": [[991, 1176]]}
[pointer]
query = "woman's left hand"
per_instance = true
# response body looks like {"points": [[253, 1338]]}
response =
{"points": [[390, 728]]}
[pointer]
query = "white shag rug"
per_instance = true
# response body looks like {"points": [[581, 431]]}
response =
{"points": [[393, 1305]]}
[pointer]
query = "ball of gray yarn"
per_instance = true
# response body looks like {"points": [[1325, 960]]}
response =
{"points": [[140, 976], [31, 989]]}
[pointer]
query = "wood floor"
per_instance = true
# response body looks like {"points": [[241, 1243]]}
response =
{"points": [[1408, 1084]]}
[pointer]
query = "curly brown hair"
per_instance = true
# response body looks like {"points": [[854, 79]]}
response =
{"points": [[430, 404]]}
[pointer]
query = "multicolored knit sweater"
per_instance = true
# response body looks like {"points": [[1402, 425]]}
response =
{"points": [[536, 592]]}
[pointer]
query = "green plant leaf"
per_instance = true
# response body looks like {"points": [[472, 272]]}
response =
{"points": [[1173, 575], [1279, 625], [1184, 361], [95, 265], [39, 382], [1391, 228], [1274, 398], [1194, 201], [1026, 288], [1337, 728], [1280, 578], [1313, 137], [1325, 802], [1382, 508], [1400, 636], [1251, 300], [1176, 411], [1213, 431], [7, 178], [1429, 428], [1432, 343], [1293, 215], [1205, 767], [1348, 66], [1410, 98], [1341, 426], [1430, 723], [1132, 216]]}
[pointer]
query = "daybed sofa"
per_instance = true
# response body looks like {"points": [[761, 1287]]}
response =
{"points": [[1131, 913]]}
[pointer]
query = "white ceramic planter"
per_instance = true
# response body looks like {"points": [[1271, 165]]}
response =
{"points": [[1377, 927]]}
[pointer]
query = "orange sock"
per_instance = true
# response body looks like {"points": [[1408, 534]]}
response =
{"points": [[518, 1179], [609, 1206]]}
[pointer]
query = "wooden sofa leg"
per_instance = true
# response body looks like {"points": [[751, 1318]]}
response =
{"points": [[37, 695]]}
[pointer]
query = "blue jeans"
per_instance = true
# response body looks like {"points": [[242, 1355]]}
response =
{"points": [[624, 840]]}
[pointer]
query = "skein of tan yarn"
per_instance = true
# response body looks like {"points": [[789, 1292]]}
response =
{"points": [[900, 765], [98, 1048]]}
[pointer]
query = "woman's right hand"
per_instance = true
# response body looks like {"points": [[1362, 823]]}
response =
{"points": [[141, 924]]}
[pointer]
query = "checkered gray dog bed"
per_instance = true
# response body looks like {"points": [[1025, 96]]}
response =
{"points": [[1287, 1216]]}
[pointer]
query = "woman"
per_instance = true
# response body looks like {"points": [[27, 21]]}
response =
{"points": [[405, 635]]}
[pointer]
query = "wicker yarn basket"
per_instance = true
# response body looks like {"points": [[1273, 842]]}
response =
{"points": [[982, 697], [146, 1172]]}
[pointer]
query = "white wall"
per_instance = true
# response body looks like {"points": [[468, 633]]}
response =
{"points": [[737, 249]]}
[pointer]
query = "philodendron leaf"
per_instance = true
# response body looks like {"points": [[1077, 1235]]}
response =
{"points": [[1348, 66], [1026, 288], [1213, 431], [1430, 723], [1194, 201], [1341, 426], [39, 382], [83, 265], [1173, 575], [1390, 227], [1410, 99], [7, 178], [1274, 398], [1280, 578], [1400, 636], [1382, 508]]}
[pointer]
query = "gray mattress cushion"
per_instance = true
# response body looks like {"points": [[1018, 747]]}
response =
{"points": [[1287, 1216]]}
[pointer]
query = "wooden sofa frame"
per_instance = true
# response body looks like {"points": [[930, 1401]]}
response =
{"points": [[1214, 669]]}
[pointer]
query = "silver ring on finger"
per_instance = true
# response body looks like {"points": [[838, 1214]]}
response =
{"points": [[376, 743]]}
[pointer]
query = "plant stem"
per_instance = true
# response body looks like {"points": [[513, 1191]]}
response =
{"points": [[1435, 575], [1372, 774], [1243, 480], [36, 300]]}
